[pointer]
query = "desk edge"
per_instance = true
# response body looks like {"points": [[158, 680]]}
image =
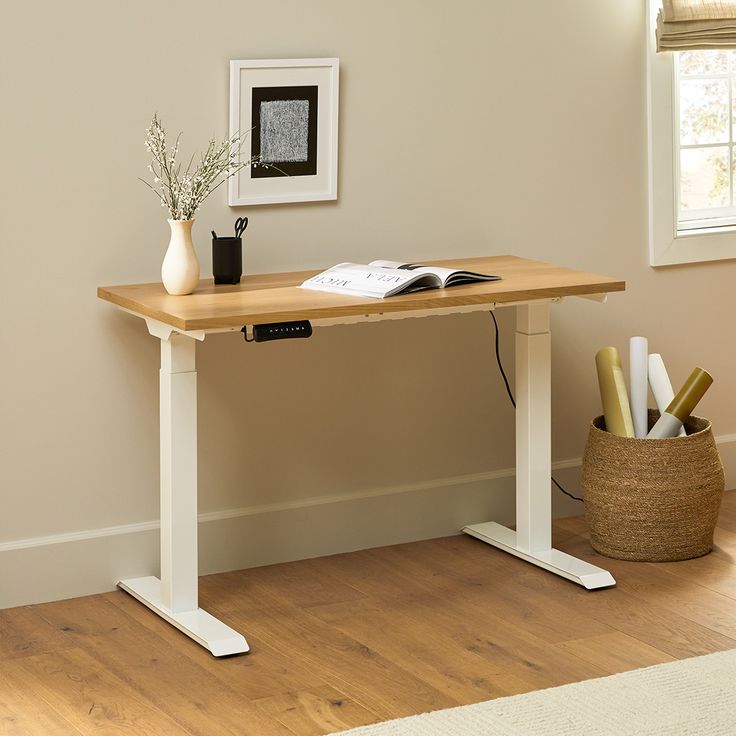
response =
{"points": [[378, 306]]}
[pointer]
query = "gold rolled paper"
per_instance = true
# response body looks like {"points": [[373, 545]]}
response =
{"points": [[681, 407], [687, 398], [615, 399]]}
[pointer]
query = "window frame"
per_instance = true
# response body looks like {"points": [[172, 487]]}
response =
{"points": [[667, 245]]}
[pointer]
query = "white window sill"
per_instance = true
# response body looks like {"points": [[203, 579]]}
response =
{"points": [[695, 246]]}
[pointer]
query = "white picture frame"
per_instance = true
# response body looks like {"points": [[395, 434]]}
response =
{"points": [[308, 169]]}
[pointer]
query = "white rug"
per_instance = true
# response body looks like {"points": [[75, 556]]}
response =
{"points": [[692, 697]]}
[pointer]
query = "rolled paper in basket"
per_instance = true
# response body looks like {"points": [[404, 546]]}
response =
{"points": [[681, 407], [660, 384], [638, 347], [615, 400]]}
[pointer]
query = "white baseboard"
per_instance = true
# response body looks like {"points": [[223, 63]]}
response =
{"points": [[61, 566], [78, 563]]}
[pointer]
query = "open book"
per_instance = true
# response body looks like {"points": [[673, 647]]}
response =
{"points": [[380, 279]]}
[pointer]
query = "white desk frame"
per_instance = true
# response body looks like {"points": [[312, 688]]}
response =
{"points": [[174, 596]]}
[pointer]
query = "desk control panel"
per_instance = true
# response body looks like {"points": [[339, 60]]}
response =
{"points": [[279, 331]]}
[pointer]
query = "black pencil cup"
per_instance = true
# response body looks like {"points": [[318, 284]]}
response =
{"points": [[227, 260]]}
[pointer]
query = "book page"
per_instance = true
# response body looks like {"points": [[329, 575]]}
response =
{"points": [[445, 275], [371, 281]]}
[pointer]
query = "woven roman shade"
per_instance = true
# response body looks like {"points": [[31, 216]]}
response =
{"points": [[683, 25]]}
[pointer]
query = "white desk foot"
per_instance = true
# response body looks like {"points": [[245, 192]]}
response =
{"points": [[580, 572], [204, 628]]}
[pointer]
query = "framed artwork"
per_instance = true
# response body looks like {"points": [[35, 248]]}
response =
{"points": [[289, 107]]}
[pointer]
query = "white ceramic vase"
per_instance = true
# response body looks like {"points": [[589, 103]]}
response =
{"points": [[180, 269]]}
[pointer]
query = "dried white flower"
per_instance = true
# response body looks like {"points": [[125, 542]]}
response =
{"points": [[182, 193]]}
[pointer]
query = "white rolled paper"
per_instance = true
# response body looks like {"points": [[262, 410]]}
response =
{"points": [[661, 385], [666, 426], [638, 389]]}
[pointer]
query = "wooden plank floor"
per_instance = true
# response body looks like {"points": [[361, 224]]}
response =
{"points": [[352, 639]]}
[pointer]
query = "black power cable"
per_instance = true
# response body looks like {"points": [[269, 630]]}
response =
{"points": [[511, 396]]}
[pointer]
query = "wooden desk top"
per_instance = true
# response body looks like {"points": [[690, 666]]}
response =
{"points": [[273, 297]]}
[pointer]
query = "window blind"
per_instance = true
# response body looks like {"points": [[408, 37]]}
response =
{"points": [[683, 25]]}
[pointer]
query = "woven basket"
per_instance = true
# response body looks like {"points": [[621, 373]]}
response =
{"points": [[652, 500]]}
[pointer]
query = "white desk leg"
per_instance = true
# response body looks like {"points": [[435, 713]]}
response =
{"points": [[174, 597], [532, 540]]}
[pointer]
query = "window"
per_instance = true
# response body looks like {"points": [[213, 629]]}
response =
{"points": [[704, 84], [692, 157]]}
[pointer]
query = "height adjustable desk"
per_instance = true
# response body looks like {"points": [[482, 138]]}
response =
{"points": [[179, 322]]}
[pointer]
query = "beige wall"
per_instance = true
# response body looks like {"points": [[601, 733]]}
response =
{"points": [[457, 138]]}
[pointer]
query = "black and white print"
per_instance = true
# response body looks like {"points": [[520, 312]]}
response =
{"points": [[284, 129]]}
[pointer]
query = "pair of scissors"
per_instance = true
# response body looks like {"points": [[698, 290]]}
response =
{"points": [[240, 224]]}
